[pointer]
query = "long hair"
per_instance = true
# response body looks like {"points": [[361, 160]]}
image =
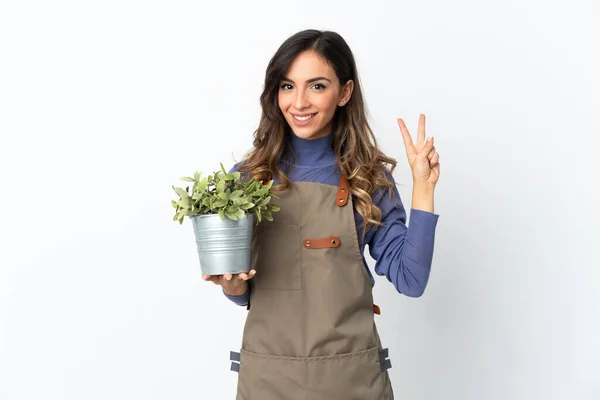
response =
{"points": [[354, 143]]}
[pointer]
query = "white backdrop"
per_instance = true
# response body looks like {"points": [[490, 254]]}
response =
{"points": [[104, 105]]}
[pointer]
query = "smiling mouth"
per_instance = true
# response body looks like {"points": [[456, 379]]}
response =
{"points": [[305, 118]]}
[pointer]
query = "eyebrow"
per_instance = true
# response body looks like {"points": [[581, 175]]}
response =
{"points": [[318, 78]]}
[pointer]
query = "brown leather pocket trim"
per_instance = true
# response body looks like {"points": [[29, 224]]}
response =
{"points": [[322, 243], [343, 191]]}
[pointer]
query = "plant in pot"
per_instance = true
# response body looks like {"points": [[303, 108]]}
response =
{"points": [[224, 209]]}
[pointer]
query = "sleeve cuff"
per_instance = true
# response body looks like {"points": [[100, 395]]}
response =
{"points": [[425, 216], [421, 226], [240, 300]]}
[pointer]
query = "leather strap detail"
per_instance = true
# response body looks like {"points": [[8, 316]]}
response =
{"points": [[322, 243], [376, 309], [343, 192]]}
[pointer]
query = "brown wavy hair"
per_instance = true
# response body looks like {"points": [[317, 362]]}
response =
{"points": [[358, 154]]}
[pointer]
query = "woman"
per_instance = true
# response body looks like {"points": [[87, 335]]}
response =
{"points": [[310, 330]]}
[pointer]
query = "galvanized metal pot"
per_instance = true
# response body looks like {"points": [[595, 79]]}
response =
{"points": [[224, 246]]}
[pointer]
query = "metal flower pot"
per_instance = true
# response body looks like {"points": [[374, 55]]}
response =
{"points": [[224, 246]]}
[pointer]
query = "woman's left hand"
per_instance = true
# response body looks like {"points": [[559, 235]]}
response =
{"points": [[422, 157]]}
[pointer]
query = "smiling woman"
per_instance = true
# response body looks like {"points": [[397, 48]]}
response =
{"points": [[310, 330]]}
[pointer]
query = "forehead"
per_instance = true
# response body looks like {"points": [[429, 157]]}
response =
{"points": [[309, 64]]}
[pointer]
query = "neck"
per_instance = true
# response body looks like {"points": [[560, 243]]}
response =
{"points": [[312, 153]]}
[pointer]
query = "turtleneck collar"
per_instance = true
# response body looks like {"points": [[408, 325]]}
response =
{"points": [[312, 153]]}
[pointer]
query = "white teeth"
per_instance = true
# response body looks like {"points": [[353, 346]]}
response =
{"points": [[304, 118]]}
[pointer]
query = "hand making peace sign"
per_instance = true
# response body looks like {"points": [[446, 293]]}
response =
{"points": [[422, 157]]}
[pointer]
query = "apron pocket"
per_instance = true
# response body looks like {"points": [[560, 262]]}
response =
{"points": [[351, 376], [264, 377], [279, 257]]}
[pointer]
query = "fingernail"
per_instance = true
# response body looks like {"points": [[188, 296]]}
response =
{"points": [[429, 138]]}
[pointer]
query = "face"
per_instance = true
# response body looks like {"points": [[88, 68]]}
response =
{"points": [[311, 88]]}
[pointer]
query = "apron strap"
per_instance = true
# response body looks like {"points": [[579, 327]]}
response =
{"points": [[343, 191]]}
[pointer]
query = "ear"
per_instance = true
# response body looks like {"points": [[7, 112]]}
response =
{"points": [[346, 92]]}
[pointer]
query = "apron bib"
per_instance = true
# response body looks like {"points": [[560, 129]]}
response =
{"points": [[310, 332]]}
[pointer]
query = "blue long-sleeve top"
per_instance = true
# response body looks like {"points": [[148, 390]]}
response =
{"points": [[402, 254]]}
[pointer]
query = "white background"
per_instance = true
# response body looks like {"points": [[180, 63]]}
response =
{"points": [[105, 105]]}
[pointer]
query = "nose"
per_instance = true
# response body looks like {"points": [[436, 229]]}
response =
{"points": [[301, 100]]}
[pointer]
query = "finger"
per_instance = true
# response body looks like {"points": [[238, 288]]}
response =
{"points": [[408, 143], [431, 153], [210, 278], [435, 159], [421, 131], [227, 277], [243, 276], [427, 146]]}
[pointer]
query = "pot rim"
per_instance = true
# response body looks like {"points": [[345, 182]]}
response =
{"points": [[217, 215]]}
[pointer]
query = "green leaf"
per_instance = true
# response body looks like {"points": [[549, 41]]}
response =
{"points": [[182, 193], [240, 214], [221, 186], [247, 206], [239, 201], [188, 179], [232, 216], [219, 203], [231, 210], [222, 214], [196, 175], [265, 201], [258, 214], [224, 196], [184, 203]]}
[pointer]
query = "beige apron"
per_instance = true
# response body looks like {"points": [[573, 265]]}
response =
{"points": [[310, 332]]}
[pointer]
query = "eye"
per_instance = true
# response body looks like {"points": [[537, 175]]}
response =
{"points": [[322, 87]]}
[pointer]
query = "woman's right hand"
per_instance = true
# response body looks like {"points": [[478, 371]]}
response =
{"points": [[233, 284]]}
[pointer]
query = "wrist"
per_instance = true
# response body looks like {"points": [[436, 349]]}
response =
{"points": [[238, 290], [423, 186], [422, 198]]}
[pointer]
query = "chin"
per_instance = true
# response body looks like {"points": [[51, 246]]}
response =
{"points": [[304, 134]]}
